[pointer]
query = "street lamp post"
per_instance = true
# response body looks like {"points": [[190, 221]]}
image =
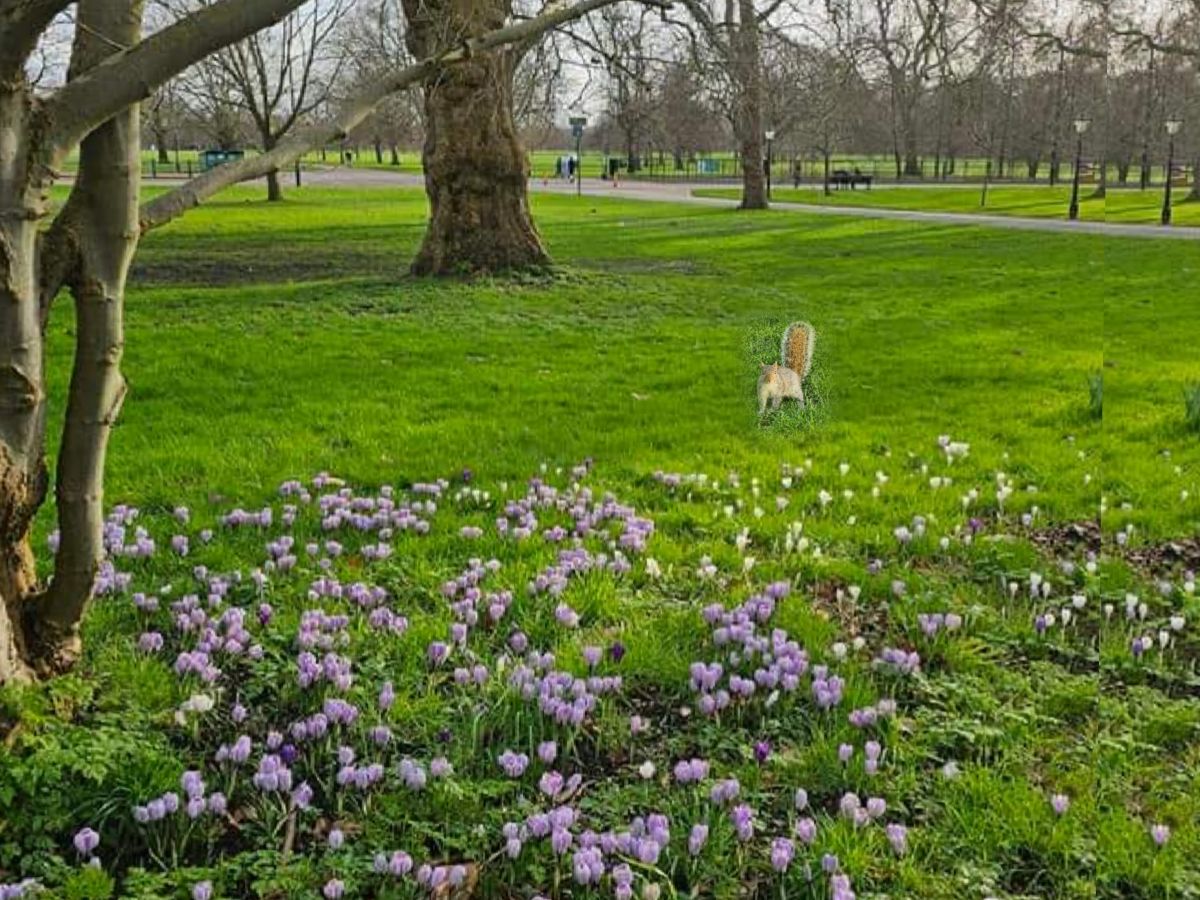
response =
{"points": [[577, 125], [1173, 126], [1081, 125], [770, 136]]}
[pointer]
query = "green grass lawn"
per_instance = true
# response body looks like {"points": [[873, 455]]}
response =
{"points": [[1144, 207], [272, 342]]}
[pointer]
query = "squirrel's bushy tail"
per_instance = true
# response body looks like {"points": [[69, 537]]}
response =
{"points": [[799, 340]]}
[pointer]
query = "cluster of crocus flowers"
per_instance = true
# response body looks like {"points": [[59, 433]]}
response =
{"points": [[216, 630]]}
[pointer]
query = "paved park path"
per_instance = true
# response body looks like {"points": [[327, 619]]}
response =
{"points": [[674, 192]]}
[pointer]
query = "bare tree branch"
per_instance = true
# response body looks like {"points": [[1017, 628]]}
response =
{"points": [[133, 74], [354, 110], [21, 24]]}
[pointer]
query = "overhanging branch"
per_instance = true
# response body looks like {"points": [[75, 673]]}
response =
{"points": [[358, 107], [132, 75]]}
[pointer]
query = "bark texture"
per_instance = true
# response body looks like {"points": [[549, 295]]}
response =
{"points": [[748, 62], [476, 171], [23, 186], [105, 228]]}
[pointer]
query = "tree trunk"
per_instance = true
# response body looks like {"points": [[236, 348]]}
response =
{"points": [[395, 160], [476, 171], [269, 142], [378, 151], [912, 162], [1194, 193], [39, 632], [748, 64], [107, 233], [1102, 187], [22, 384]]}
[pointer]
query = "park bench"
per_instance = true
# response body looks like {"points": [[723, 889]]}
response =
{"points": [[842, 178]]}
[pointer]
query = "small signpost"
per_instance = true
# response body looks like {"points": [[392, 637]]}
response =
{"points": [[577, 126]]}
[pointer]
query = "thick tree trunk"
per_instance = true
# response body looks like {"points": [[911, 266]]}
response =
{"points": [[274, 189], [748, 63], [476, 171], [22, 384]]}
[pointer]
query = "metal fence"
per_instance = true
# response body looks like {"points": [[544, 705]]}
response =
{"points": [[882, 170]]}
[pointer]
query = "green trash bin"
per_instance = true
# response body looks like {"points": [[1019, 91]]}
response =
{"points": [[210, 159]]}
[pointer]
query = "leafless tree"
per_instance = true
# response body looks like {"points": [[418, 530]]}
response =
{"points": [[278, 76]]}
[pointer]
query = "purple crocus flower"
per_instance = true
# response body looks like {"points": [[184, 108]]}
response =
{"points": [[1060, 803], [513, 764], [697, 839], [560, 840], [806, 831], [334, 888], [1160, 834], [742, 817], [762, 750], [782, 853], [203, 890], [897, 836], [86, 840]]}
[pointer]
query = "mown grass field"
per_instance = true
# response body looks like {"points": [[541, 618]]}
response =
{"points": [[1131, 206], [272, 342]]}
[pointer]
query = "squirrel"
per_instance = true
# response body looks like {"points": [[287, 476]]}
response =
{"points": [[779, 381]]}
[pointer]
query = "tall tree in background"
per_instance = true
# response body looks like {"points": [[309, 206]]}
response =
{"points": [[727, 42], [280, 75], [373, 40], [476, 171]]}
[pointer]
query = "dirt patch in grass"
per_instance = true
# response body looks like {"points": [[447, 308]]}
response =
{"points": [[1068, 538], [1165, 556], [264, 267]]}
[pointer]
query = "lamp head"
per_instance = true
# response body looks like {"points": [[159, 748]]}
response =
{"points": [[1081, 124], [1173, 126]]}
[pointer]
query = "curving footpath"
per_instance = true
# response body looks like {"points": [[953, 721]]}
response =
{"points": [[682, 193]]}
